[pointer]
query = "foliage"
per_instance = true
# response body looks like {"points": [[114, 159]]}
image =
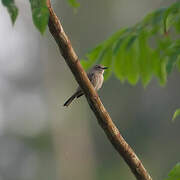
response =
{"points": [[176, 114], [140, 51], [174, 174], [143, 50], [40, 14], [73, 3], [12, 9]]}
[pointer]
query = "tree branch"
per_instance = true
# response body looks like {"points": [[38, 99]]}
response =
{"points": [[93, 99]]}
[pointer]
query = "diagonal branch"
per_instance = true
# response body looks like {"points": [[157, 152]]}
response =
{"points": [[93, 99]]}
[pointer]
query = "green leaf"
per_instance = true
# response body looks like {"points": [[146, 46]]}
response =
{"points": [[117, 45], [145, 53], [155, 23], [176, 114], [99, 54], [174, 173], [40, 14], [159, 67], [40, 18], [131, 41], [12, 9], [172, 52], [108, 62], [126, 62], [177, 23], [112, 40], [170, 16], [132, 63], [158, 16], [171, 62], [86, 64], [119, 61], [92, 57], [178, 63], [73, 3]]}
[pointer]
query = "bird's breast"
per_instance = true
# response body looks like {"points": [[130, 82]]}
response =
{"points": [[100, 80]]}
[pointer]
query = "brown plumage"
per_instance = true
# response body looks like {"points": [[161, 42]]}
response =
{"points": [[95, 75]]}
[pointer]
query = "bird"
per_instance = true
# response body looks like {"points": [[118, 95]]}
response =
{"points": [[96, 77]]}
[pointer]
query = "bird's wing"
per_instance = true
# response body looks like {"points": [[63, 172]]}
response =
{"points": [[93, 78]]}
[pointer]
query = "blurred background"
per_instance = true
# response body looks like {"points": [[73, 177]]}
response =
{"points": [[40, 139]]}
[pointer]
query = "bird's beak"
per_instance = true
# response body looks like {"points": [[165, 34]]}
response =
{"points": [[105, 67]]}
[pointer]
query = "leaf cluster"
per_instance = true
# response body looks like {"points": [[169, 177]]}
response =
{"points": [[142, 50], [40, 12], [174, 174], [12, 9]]}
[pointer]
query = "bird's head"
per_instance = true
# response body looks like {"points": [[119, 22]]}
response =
{"points": [[100, 68]]}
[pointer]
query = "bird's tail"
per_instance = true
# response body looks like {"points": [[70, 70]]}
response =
{"points": [[68, 102]]}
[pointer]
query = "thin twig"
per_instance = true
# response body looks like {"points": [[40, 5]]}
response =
{"points": [[93, 99]]}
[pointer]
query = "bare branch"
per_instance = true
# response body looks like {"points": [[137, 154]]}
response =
{"points": [[93, 99]]}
